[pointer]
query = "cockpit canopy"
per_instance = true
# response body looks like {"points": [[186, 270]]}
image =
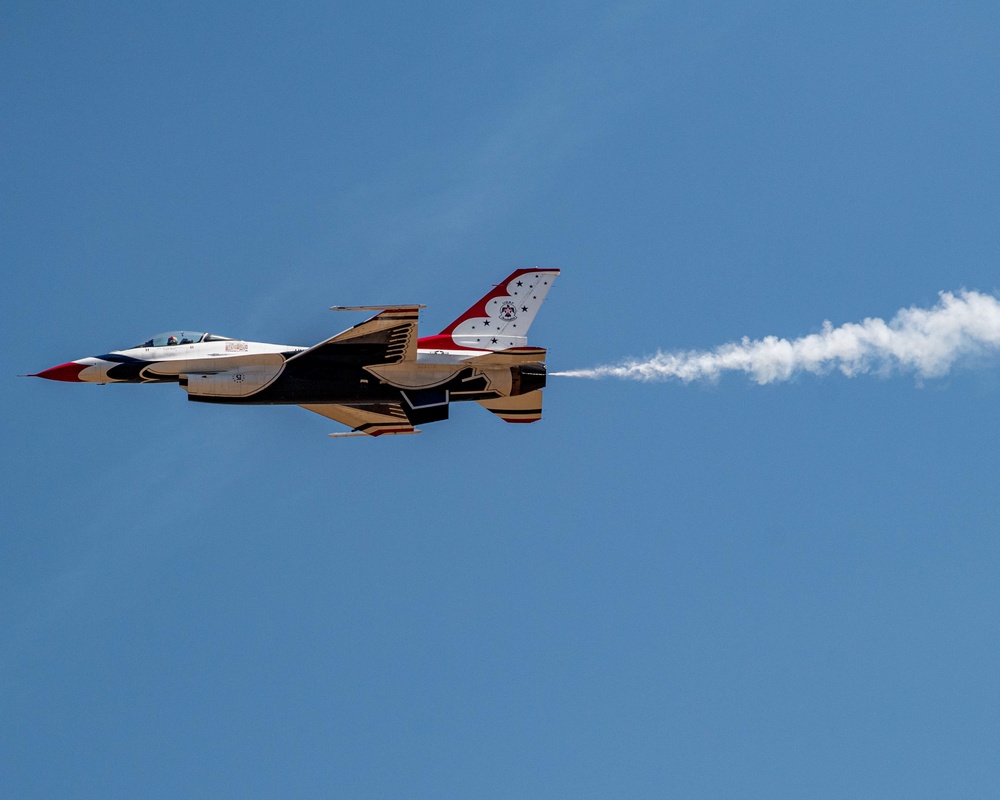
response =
{"points": [[171, 338]]}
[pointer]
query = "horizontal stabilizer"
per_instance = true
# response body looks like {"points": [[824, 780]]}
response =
{"points": [[371, 419], [520, 408]]}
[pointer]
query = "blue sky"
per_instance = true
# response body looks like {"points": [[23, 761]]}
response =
{"points": [[704, 590]]}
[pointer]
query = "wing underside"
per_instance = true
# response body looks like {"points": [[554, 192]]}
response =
{"points": [[368, 419]]}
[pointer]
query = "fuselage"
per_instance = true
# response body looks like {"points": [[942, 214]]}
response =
{"points": [[378, 377], [223, 370]]}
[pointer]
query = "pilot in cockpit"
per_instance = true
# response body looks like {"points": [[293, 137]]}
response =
{"points": [[172, 340]]}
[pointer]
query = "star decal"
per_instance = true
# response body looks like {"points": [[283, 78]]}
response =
{"points": [[520, 283], [524, 308], [486, 322], [493, 341]]}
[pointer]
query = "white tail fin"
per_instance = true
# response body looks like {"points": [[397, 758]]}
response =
{"points": [[501, 318]]}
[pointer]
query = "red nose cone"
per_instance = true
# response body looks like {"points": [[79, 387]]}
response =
{"points": [[70, 371]]}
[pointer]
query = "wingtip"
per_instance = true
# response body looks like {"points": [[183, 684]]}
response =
{"points": [[378, 308], [344, 435]]}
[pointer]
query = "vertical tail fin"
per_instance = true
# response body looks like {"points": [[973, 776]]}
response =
{"points": [[501, 318]]}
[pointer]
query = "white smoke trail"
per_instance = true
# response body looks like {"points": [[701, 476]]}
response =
{"points": [[925, 341]]}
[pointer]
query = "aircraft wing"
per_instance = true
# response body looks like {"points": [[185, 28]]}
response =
{"points": [[367, 419], [394, 331]]}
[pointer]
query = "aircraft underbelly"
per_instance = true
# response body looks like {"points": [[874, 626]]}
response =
{"points": [[256, 386]]}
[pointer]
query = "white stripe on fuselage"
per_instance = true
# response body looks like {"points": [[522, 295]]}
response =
{"points": [[172, 360], [179, 359], [448, 356]]}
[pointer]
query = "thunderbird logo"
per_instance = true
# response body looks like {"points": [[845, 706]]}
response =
{"points": [[508, 312]]}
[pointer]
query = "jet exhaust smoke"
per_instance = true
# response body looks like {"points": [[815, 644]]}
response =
{"points": [[924, 341]]}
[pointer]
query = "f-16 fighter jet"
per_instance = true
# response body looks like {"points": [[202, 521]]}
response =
{"points": [[377, 377]]}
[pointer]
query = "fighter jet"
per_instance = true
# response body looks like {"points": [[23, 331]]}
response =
{"points": [[377, 378]]}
